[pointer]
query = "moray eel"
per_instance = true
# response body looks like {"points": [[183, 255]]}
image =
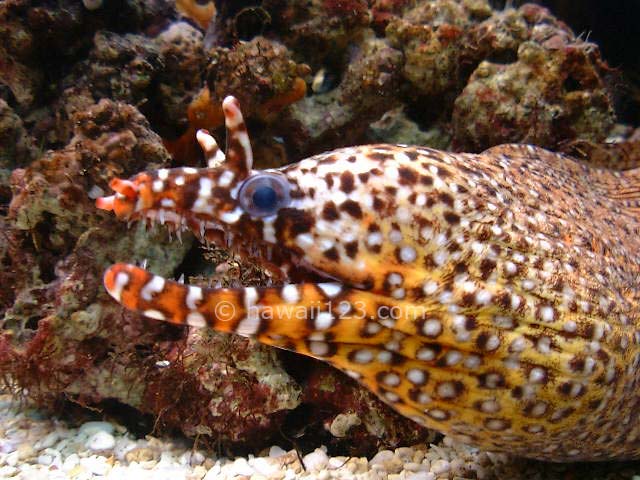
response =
{"points": [[493, 297]]}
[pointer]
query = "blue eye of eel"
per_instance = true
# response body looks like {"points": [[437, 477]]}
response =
{"points": [[264, 194], [265, 198]]}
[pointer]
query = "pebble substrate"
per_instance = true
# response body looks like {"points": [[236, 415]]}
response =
{"points": [[35, 446]]}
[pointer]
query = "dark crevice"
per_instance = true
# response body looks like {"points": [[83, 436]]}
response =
{"points": [[32, 323], [138, 424], [571, 84], [427, 111], [251, 22], [324, 81], [503, 57], [192, 263]]}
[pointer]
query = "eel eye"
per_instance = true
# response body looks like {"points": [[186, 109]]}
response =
{"points": [[264, 194]]}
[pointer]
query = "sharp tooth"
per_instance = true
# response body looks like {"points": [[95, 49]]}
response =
{"points": [[201, 229], [161, 218], [181, 279], [144, 263]]}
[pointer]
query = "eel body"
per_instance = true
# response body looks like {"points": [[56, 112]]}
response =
{"points": [[493, 296]]}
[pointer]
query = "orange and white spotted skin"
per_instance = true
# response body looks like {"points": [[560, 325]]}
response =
{"points": [[493, 297]]}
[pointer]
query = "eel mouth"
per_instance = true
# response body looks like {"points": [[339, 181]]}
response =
{"points": [[282, 265]]}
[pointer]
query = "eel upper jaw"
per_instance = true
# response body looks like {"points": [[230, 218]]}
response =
{"points": [[132, 203], [284, 265]]}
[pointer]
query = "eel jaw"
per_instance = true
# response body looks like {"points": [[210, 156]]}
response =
{"points": [[284, 265]]}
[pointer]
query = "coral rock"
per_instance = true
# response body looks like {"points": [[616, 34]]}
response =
{"points": [[432, 36], [255, 72], [16, 146], [551, 93], [340, 116]]}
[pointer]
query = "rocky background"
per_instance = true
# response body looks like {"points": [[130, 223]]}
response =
{"points": [[91, 90]]}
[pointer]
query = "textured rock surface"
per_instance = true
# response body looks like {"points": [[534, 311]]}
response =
{"points": [[16, 146], [433, 36], [541, 86]]}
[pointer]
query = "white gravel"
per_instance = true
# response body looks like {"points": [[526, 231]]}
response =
{"points": [[34, 446]]}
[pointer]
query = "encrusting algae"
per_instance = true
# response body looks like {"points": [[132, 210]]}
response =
{"points": [[491, 297]]}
